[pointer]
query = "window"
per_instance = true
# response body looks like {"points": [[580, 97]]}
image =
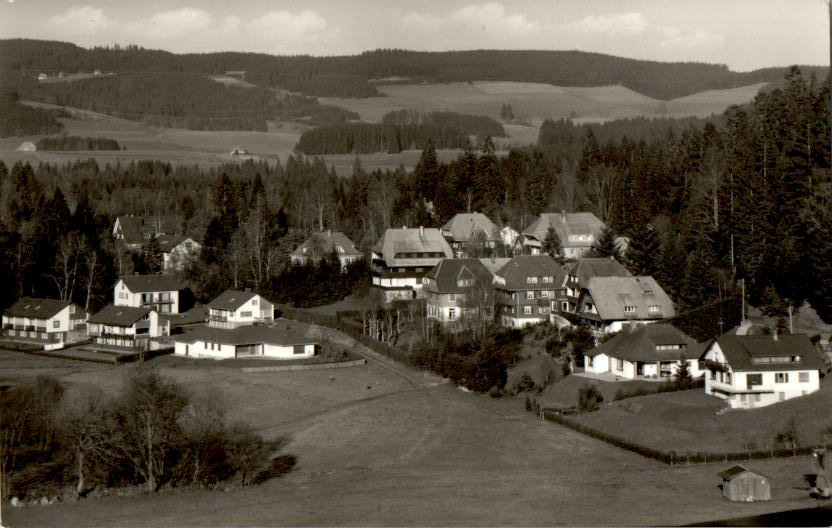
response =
{"points": [[757, 398], [451, 314], [531, 280], [753, 379], [56, 324], [781, 377], [619, 364], [544, 294], [543, 310], [654, 308], [629, 309], [452, 297], [529, 295], [245, 314], [254, 302], [564, 306], [527, 310], [803, 377]]}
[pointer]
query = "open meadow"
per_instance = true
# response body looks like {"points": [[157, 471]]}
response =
{"points": [[382, 444]]}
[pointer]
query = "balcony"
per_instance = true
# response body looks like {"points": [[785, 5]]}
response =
{"points": [[218, 318]]}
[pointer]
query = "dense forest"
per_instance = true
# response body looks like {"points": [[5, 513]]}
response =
{"points": [[480, 126], [21, 120], [744, 197], [366, 138], [353, 76], [77, 143]]}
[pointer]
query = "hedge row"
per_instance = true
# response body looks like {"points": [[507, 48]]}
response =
{"points": [[671, 457]]}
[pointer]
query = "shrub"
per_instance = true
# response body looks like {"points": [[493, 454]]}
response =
{"points": [[526, 383], [589, 398]]}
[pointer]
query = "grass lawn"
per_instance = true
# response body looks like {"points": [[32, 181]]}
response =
{"points": [[687, 421], [565, 392]]}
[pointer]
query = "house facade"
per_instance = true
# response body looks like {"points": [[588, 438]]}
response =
{"points": [[653, 351], [178, 252], [402, 257], [127, 328], [158, 292], [580, 273], [51, 322], [577, 233], [754, 371], [236, 308], [460, 289], [609, 304], [471, 235], [278, 340], [525, 288], [135, 231], [320, 245]]}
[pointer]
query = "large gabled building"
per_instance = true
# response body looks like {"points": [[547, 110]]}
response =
{"points": [[471, 235], [577, 233], [233, 308], [135, 231], [320, 245], [50, 322], [609, 304], [525, 288], [159, 292], [402, 257], [278, 340], [127, 328], [460, 289], [754, 371], [580, 273]]}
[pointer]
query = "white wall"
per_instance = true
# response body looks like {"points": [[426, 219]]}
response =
{"points": [[122, 296], [287, 352], [600, 364]]}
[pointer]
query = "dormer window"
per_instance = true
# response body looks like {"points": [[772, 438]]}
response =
{"points": [[531, 280], [629, 309], [654, 308]]}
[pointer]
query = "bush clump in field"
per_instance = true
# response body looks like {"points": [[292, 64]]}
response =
{"points": [[589, 398]]}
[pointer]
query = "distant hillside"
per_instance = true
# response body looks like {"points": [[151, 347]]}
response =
{"points": [[353, 76]]}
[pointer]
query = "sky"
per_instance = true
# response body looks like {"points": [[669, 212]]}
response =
{"points": [[743, 34]]}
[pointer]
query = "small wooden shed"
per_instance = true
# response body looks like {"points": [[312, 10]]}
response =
{"points": [[740, 483]]}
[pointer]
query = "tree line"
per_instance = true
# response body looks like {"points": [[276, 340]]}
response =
{"points": [[152, 433], [473, 125], [23, 120], [77, 143], [355, 76], [368, 138]]}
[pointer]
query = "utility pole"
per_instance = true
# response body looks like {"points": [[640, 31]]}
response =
{"points": [[742, 316], [791, 326]]}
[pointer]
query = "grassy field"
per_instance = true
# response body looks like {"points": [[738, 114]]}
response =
{"points": [[381, 444], [565, 392], [687, 421]]}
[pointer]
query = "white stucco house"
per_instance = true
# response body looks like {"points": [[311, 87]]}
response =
{"points": [[159, 292], [757, 370], [652, 351], [235, 308], [278, 340], [50, 322], [127, 328]]}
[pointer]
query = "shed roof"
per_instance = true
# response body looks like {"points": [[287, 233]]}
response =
{"points": [[152, 283], [750, 352], [565, 224], [397, 242], [640, 344], [279, 332], [462, 226], [739, 469], [36, 308], [119, 315], [611, 294], [515, 272]]}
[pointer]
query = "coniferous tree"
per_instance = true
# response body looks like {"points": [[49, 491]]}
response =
{"points": [[552, 245], [152, 256], [606, 246], [643, 251]]}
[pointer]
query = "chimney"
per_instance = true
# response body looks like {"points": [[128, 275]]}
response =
{"points": [[421, 231]]}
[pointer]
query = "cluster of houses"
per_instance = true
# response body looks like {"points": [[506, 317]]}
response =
{"points": [[456, 273]]}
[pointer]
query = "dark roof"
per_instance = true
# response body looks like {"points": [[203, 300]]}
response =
{"points": [[279, 332], [231, 300], [513, 274], [565, 224], [589, 267], [449, 271], [196, 315], [152, 283], [324, 241], [741, 351], [134, 228], [640, 344], [35, 308], [119, 315], [738, 470], [462, 227]]}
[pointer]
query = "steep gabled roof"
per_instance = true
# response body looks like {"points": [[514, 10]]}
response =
{"points": [[119, 315], [280, 332], [758, 352], [397, 247], [738, 470], [611, 294], [514, 274], [323, 242], [588, 267], [133, 228], [566, 225], [152, 283], [462, 226], [640, 344], [449, 271], [231, 300], [36, 308]]}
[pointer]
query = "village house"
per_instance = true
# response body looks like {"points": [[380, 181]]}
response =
{"points": [[135, 231], [458, 289], [580, 273], [577, 233], [608, 304], [403, 256], [235, 308], [758, 370], [127, 328], [320, 245], [471, 235], [279, 340], [525, 287], [647, 351], [50, 322], [159, 292], [743, 484], [178, 252]]}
